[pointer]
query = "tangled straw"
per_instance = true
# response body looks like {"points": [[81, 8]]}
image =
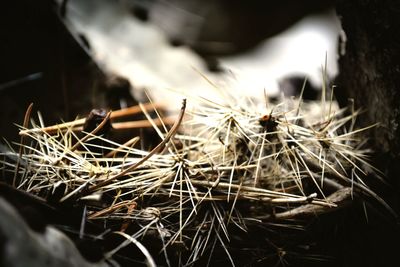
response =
{"points": [[224, 167]]}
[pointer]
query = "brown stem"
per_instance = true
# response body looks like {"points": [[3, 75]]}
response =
{"points": [[134, 110]]}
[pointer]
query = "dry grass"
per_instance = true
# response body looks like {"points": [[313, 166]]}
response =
{"points": [[225, 166]]}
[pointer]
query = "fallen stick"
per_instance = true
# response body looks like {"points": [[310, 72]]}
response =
{"points": [[77, 125], [338, 198]]}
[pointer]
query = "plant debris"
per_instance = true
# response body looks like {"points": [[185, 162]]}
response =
{"points": [[221, 170]]}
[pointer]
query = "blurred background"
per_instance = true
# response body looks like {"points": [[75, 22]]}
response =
{"points": [[78, 55], [252, 44]]}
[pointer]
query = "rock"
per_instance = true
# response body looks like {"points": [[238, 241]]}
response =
{"points": [[20, 246]]}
